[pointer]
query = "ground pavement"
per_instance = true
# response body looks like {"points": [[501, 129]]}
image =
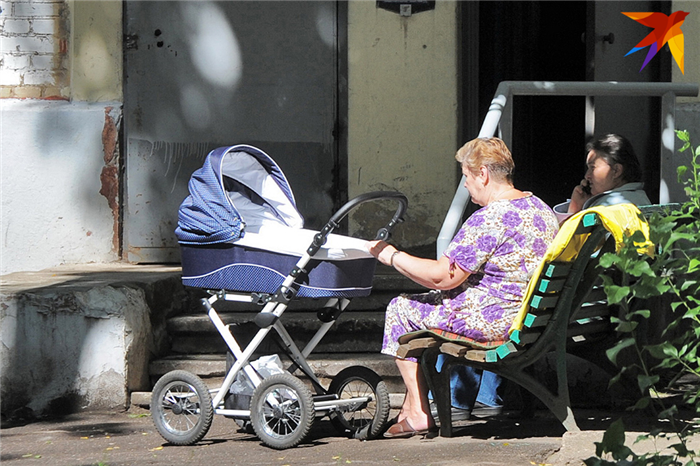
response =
{"points": [[129, 438]]}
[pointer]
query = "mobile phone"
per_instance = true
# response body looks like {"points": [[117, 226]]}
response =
{"points": [[586, 188]]}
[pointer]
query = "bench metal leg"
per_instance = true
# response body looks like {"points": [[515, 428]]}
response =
{"points": [[439, 383]]}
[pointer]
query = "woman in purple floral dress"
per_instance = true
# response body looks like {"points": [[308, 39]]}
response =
{"points": [[479, 282]]}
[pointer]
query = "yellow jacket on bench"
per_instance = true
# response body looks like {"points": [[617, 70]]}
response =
{"points": [[620, 220]]}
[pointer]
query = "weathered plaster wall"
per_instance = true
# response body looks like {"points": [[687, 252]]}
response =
{"points": [[82, 337], [52, 209], [77, 358], [96, 50], [402, 130]]}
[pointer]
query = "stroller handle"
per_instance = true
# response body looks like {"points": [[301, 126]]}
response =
{"points": [[383, 233]]}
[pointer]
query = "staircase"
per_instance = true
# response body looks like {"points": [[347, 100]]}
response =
{"points": [[354, 339]]}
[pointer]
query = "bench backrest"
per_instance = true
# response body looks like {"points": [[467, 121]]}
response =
{"points": [[568, 296], [573, 292]]}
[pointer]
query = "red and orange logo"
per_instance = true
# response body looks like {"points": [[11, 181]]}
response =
{"points": [[666, 29]]}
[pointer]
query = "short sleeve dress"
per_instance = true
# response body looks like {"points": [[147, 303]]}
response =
{"points": [[500, 245]]}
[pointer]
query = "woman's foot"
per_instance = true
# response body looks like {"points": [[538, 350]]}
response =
{"points": [[404, 429]]}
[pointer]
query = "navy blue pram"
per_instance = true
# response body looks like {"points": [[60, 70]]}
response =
{"points": [[242, 239]]}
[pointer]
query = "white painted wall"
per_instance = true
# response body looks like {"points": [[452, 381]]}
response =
{"points": [[402, 133], [50, 162]]}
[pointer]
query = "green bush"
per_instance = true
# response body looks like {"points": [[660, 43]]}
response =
{"points": [[671, 277]]}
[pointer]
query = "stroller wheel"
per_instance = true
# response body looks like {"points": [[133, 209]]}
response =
{"points": [[181, 408], [282, 411], [369, 420]]}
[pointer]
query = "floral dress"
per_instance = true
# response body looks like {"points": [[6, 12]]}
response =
{"points": [[500, 245]]}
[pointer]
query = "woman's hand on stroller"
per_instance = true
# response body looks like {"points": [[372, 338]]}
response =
{"points": [[383, 251]]}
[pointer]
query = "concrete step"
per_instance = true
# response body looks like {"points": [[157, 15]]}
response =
{"points": [[352, 332], [212, 369]]}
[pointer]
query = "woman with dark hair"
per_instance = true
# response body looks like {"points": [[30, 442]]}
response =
{"points": [[613, 176], [478, 283]]}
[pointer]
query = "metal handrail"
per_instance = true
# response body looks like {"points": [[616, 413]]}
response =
{"points": [[500, 116]]}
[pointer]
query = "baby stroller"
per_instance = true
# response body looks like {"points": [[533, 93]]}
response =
{"points": [[242, 240]]}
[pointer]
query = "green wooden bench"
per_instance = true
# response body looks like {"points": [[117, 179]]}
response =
{"points": [[567, 310]]}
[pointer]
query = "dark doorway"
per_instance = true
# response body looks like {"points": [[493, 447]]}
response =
{"points": [[535, 41]]}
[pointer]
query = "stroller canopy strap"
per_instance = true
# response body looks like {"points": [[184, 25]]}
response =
{"points": [[236, 185]]}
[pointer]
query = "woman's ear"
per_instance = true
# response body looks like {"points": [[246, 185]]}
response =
{"points": [[484, 174], [618, 171]]}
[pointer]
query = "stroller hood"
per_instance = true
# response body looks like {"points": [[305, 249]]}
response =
{"points": [[238, 187]]}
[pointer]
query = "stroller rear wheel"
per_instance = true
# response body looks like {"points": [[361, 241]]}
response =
{"points": [[282, 411], [181, 408], [369, 420]]}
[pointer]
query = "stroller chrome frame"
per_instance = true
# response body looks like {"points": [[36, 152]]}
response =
{"points": [[282, 408]]}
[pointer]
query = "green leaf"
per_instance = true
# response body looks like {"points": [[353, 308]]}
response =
{"points": [[608, 259], [669, 413], [663, 350], [683, 135], [616, 293], [643, 313], [646, 381], [625, 326], [613, 352], [642, 403], [614, 441], [641, 268], [687, 284], [693, 265]]}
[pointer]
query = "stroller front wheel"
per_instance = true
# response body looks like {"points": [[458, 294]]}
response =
{"points": [[282, 411], [369, 421], [181, 408]]}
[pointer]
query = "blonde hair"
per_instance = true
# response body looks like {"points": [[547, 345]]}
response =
{"points": [[489, 152]]}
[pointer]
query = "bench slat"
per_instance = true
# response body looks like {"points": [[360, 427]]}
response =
{"points": [[579, 332], [415, 347], [538, 319], [505, 349], [454, 349], [596, 294], [557, 269], [593, 310], [476, 355], [551, 285], [544, 302]]}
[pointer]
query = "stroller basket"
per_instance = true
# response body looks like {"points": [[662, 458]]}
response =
{"points": [[242, 239]]}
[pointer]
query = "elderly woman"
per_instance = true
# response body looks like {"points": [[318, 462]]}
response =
{"points": [[479, 282], [613, 176]]}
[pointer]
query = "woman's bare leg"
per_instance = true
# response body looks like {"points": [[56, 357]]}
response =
{"points": [[416, 406]]}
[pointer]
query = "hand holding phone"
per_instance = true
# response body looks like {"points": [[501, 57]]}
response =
{"points": [[586, 187]]}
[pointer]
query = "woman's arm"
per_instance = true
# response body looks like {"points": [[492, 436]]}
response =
{"points": [[433, 274]]}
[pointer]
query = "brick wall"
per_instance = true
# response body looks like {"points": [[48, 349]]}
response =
{"points": [[33, 49]]}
